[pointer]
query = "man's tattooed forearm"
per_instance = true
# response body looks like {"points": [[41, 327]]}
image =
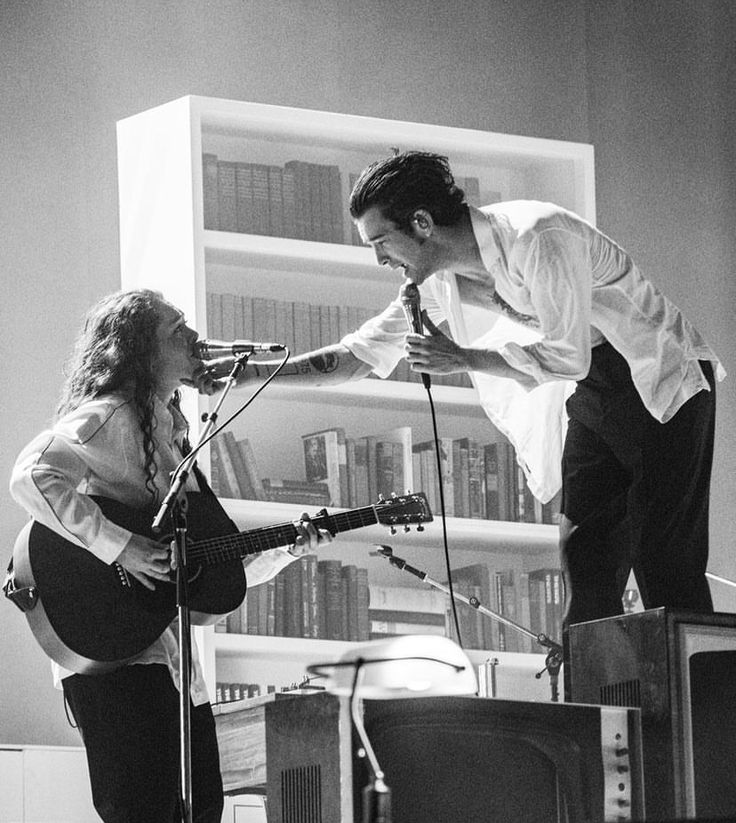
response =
{"points": [[325, 363]]}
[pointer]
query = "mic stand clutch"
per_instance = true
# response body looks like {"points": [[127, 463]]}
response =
{"points": [[175, 506], [553, 661]]}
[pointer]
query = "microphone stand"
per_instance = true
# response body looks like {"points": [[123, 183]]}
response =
{"points": [[553, 661], [175, 506]]}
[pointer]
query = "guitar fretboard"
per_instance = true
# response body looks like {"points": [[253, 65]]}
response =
{"points": [[234, 546]]}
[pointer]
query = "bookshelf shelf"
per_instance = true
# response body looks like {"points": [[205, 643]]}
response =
{"points": [[463, 533], [304, 272], [230, 247]]}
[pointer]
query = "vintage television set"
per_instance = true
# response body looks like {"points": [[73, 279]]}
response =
{"points": [[454, 759], [679, 668]]}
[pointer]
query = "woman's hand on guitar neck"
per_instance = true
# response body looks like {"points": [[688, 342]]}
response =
{"points": [[308, 536], [146, 560]]}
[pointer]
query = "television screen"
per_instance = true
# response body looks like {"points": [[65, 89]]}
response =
{"points": [[456, 759]]}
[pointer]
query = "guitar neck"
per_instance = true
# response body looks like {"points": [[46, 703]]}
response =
{"points": [[254, 541]]}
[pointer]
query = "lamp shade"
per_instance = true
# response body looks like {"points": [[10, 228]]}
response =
{"points": [[402, 666]]}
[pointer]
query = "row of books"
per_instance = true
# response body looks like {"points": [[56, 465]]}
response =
{"points": [[481, 481], [325, 599], [229, 692], [298, 325], [531, 599], [310, 598], [226, 692], [300, 199]]}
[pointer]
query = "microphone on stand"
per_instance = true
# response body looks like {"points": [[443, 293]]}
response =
{"points": [[214, 349], [411, 303]]}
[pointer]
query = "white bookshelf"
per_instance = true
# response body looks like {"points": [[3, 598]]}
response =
{"points": [[164, 244]]}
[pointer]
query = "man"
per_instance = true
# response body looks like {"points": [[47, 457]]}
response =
{"points": [[537, 302], [119, 434]]}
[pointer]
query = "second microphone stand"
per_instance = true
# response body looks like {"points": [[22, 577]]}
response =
{"points": [[553, 661]]}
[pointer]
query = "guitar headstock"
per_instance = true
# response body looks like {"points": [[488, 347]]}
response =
{"points": [[404, 511]]}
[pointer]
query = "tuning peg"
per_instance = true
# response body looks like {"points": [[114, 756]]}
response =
{"points": [[420, 528], [406, 529], [392, 529]]}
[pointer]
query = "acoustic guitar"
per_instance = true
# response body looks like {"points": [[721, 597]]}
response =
{"points": [[92, 617]]}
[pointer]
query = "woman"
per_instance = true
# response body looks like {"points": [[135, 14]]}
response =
{"points": [[119, 434]]}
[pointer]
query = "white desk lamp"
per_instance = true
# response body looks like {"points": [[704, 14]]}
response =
{"points": [[403, 666]]}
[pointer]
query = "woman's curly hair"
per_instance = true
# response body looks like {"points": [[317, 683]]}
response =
{"points": [[116, 352]]}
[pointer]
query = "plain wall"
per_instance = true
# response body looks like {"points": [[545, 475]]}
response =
{"points": [[650, 84]]}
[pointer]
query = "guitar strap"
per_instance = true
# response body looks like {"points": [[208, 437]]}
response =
{"points": [[206, 491], [204, 487]]}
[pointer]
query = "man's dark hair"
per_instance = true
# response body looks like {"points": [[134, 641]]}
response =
{"points": [[405, 182]]}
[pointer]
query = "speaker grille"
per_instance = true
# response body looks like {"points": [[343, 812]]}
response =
{"points": [[301, 795], [625, 693]]}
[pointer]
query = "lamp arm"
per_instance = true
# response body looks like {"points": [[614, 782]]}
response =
{"points": [[358, 722]]}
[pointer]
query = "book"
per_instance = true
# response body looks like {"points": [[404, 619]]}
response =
{"points": [[386, 628], [398, 616], [476, 480], [425, 474], [251, 469], [385, 479], [546, 602], [296, 491], [333, 594], [401, 437], [472, 634], [360, 473], [293, 617], [209, 191], [506, 471], [310, 602], [245, 220], [476, 580], [363, 598], [236, 460], [218, 478], [490, 469], [325, 461], [461, 476], [288, 198], [226, 468], [275, 201], [350, 578], [407, 598], [261, 204], [227, 209], [522, 593]]}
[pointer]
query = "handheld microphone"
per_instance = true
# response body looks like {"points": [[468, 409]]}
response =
{"points": [[411, 303], [213, 349]]}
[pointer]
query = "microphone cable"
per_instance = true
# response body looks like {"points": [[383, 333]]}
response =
{"points": [[237, 412], [440, 484]]}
